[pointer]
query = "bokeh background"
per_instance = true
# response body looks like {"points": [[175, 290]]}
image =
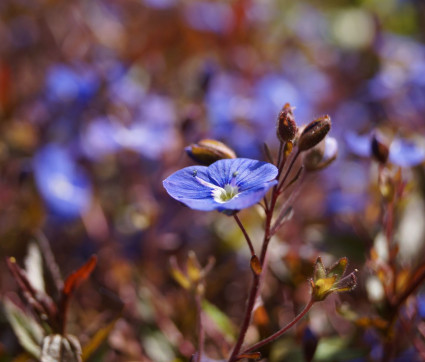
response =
{"points": [[98, 99]]}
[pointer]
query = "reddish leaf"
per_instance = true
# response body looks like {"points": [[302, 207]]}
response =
{"points": [[41, 303], [79, 276]]}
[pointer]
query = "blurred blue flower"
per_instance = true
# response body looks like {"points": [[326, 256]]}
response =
{"points": [[403, 152], [63, 185], [406, 153], [231, 184], [150, 133], [66, 84], [98, 139], [360, 145]]}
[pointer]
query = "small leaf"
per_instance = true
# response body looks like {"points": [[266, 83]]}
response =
{"points": [[338, 269], [28, 331], [34, 267], [178, 275], [221, 320], [79, 276], [256, 265], [193, 267], [40, 302], [319, 269], [251, 355], [97, 340]]}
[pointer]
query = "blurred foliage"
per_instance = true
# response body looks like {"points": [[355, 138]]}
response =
{"points": [[98, 99]]}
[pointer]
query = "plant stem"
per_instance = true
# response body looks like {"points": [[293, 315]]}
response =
{"points": [[256, 280], [247, 238], [288, 171], [247, 318], [279, 159], [201, 332], [255, 287], [281, 331]]}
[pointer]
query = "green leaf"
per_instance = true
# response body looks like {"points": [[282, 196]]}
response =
{"points": [[97, 340], [338, 269], [336, 349], [27, 330], [220, 319]]}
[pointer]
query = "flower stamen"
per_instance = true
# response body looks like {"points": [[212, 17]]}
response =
{"points": [[225, 194]]}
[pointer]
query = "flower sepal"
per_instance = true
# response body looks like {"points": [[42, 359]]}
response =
{"points": [[331, 280]]}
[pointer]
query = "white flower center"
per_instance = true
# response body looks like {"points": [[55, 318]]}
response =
{"points": [[225, 194]]}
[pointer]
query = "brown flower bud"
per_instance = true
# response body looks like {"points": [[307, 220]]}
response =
{"points": [[286, 126], [314, 132], [379, 149], [208, 151]]}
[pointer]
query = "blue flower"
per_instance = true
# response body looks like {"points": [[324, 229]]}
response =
{"points": [[64, 186], [231, 184]]}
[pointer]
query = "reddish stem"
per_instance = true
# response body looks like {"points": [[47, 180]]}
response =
{"points": [[280, 332], [247, 238], [201, 332], [255, 287]]}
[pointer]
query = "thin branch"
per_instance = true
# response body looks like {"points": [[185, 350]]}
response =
{"points": [[279, 333], [247, 238], [288, 171], [279, 159], [247, 319], [201, 332]]}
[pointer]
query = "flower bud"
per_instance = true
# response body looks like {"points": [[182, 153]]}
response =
{"points": [[321, 155], [60, 348], [286, 126], [313, 133], [208, 151], [331, 280], [380, 150]]}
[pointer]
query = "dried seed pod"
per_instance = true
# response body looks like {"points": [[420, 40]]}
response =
{"points": [[380, 150], [286, 126], [208, 151], [313, 133]]}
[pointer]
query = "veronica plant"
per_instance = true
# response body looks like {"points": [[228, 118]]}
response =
{"points": [[231, 184]]}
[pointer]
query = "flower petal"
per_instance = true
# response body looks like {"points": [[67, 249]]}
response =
{"points": [[184, 186], [194, 185], [249, 173]]}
